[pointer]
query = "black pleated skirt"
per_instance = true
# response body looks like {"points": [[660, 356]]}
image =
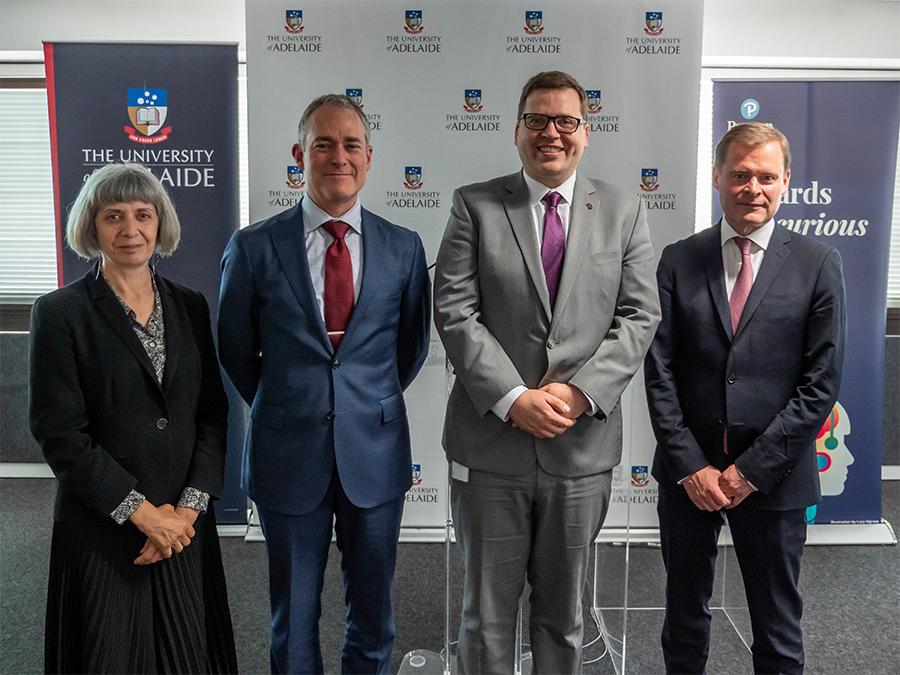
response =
{"points": [[107, 615]]}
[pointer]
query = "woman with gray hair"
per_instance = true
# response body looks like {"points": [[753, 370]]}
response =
{"points": [[128, 407]]}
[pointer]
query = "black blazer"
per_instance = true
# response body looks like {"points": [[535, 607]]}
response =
{"points": [[103, 422], [771, 384]]}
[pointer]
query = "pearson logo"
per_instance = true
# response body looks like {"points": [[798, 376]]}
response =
{"points": [[412, 22], [147, 110], [749, 108], [293, 21]]}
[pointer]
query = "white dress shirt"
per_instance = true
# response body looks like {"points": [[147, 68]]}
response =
{"points": [[731, 254], [536, 192], [318, 240]]}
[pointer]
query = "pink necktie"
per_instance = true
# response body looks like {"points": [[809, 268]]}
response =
{"points": [[742, 286], [553, 245], [338, 282]]}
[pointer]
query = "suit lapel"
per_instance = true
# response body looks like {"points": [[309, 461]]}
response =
{"points": [[108, 305], [576, 241], [715, 277], [288, 240], [518, 210], [172, 320], [773, 259]]}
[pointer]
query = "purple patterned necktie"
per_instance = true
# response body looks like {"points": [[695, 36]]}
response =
{"points": [[553, 245]]}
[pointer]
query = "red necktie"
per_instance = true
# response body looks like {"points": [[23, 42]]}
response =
{"points": [[338, 282], [742, 286]]}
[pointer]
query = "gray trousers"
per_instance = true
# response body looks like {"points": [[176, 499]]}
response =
{"points": [[512, 528]]}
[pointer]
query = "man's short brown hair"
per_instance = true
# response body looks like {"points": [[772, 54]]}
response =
{"points": [[553, 79], [752, 134]]}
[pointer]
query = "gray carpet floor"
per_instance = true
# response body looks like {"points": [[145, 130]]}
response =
{"points": [[851, 619]]}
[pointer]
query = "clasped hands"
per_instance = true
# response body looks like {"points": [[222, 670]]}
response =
{"points": [[548, 411], [169, 530], [710, 489]]}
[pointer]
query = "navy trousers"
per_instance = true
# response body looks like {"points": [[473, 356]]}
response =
{"points": [[298, 548], [768, 545]]}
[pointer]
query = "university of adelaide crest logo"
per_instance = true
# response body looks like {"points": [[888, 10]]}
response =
{"points": [[649, 180], [534, 21], [293, 20], [356, 96], [653, 23], [147, 110], [412, 22], [593, 101], [412, 177], [640, 477], [472, 101], [416, 474], [294, 177]]}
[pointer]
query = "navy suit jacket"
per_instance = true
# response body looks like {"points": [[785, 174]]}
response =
{"points": [[771, 384], [314, 408]]}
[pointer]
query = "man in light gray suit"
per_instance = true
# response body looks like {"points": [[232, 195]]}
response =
{"points": [[546, 301]]}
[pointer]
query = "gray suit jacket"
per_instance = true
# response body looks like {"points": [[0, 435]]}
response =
{"points": [[493, 313]]}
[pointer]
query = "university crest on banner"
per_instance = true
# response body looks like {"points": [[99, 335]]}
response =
{"points": [[640, 476], [593, 101], [534, 22], [355, 95], [412, 177], [649, 180], [147, 109], [294, 177], [416, 474], [293, 20], [413, 21], [473, 101], [653, 23]]}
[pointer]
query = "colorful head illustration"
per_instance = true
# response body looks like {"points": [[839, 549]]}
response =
{"points": [[832, 452]]}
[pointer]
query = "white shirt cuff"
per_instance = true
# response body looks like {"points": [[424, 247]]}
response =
{"points": [[594, 407], [501, 407]]}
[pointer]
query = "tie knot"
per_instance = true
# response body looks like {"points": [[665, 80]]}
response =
{"points": [[552, 199], [336, 228], [743, 245]]}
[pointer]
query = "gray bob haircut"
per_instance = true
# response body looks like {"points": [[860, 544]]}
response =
{"points": [[335, 100], [113, 184]]}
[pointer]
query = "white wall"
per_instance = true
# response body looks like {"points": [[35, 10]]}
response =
{"points": [[732, 28]]}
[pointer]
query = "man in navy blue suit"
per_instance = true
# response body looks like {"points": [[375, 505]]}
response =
{"points": [[744, 369], [323, 322]]}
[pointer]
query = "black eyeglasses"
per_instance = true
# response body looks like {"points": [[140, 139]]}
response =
{"points": [[565, 124]]}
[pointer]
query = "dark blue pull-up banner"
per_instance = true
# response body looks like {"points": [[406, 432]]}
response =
{"points": [[843, 137], [172, 108]]}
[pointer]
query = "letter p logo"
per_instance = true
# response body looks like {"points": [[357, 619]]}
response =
{"points": [[749, 108]]}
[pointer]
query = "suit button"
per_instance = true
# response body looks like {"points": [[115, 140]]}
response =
{"points": [[162, 423], [336, 364], [720, 422], [551, 343], [732, 379], [330, 416]]}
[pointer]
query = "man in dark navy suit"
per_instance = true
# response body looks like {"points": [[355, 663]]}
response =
{"points": [[742, 373], [323, 322]]}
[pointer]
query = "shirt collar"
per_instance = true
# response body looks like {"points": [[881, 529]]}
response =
{"points": [[537, 190], [759, 237], [314, 217]]}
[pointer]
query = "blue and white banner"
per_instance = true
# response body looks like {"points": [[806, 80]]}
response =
{"points": [[172, 108], [843, 137]]}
